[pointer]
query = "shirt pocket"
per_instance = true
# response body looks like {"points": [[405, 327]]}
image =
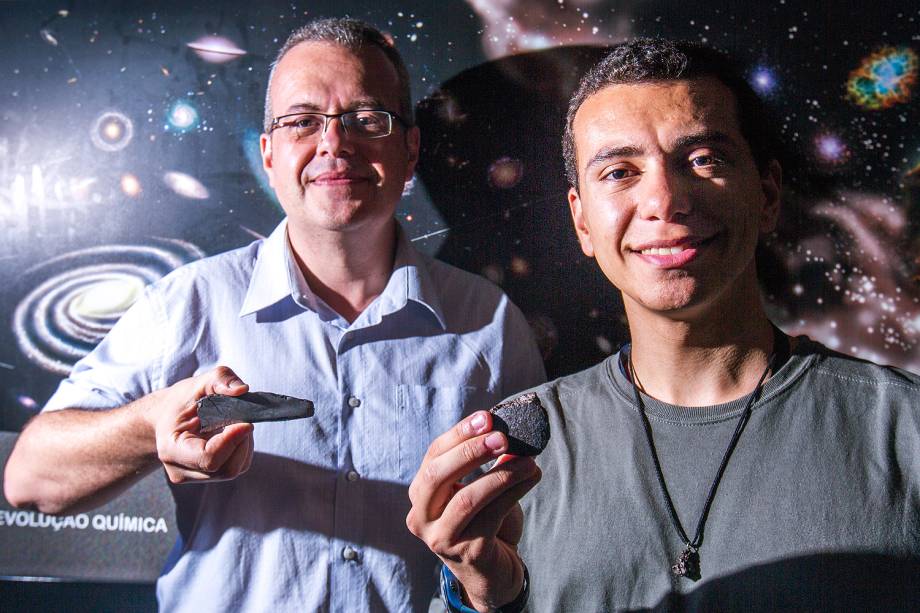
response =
{"points": [[424, 414]]}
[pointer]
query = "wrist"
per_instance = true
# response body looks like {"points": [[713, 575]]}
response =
{"points": [[452, 594], [141, 417]]}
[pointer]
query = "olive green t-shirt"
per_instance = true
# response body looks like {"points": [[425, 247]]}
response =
{"points": [[818, 508]]}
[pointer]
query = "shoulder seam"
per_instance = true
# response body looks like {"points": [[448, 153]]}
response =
{"points": [[856, 379]]}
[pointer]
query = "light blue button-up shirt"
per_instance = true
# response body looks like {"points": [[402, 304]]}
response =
{"points": [[318, 522]]}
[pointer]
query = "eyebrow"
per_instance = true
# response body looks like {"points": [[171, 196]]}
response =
{"points": [[360, 103], [608, 153], [703, 138]]}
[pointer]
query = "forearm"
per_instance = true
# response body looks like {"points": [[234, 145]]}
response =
{"points": [[72, 460]]}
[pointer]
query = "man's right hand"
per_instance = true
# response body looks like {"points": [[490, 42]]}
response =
{"points": [[473, 528], [77, 459], [187, 455]]}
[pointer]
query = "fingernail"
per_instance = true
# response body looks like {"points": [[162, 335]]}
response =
{"points": [[495, 441], [236, 383], [478, 422]]}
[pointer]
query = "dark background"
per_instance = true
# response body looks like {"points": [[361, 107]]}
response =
{"points": [[87, 215]]}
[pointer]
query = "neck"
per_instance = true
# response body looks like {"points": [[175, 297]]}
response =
{"points": [[700, 362], [347, 270]]}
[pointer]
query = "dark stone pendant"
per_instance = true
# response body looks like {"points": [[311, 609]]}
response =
{"points": [[688, 564]]}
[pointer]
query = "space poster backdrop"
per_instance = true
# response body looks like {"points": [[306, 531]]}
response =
{"points": [[129, 146]]}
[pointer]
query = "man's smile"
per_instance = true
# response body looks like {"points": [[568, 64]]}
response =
{"points": [[671, 253], [336, 178]]}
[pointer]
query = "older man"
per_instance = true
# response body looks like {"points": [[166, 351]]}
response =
{"points": [[713, 452], [335, 306]]}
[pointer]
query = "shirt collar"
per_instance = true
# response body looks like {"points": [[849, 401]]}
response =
{"points": [[276, 276], [410, 280]]}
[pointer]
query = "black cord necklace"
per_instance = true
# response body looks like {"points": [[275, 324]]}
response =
{"points": [[688, 562]]}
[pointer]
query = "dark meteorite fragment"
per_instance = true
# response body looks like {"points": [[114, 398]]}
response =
{"points": [[524, 421], [216, 411]]}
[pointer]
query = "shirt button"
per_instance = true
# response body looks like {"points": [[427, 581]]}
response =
{"points": [[349, 554], [354, 402], [352, 475]]}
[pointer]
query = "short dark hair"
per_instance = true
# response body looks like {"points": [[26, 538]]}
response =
{"points": [[648, 60], [354, 35]]}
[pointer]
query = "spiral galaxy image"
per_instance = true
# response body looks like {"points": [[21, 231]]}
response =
{"points": [[82, 294]]}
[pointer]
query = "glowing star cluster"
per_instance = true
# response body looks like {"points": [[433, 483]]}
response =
{"points": [[525, 25], [884, 79], [763, 80], [830, 149]]}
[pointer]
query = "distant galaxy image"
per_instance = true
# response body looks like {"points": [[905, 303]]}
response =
{"points": [[129, 145], [182, 116], [111, 131], [505, 172], [185, 185], [216, 49], [77, 298]]}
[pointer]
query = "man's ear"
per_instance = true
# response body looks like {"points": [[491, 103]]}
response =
{"points": [[771, 182], [265, 148], [413, 142], [581, 225]]}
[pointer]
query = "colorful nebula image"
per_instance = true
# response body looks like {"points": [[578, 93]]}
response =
{"points": [[884, 79]]}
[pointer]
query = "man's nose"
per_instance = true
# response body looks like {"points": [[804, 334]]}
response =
{"points": [[663, 196], [334, 140]]}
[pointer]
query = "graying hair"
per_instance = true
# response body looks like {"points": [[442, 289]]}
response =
{"points": [[354, 35]]}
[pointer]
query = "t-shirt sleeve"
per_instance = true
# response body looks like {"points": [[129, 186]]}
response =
{"points": [[125, 366], [522, 364]]}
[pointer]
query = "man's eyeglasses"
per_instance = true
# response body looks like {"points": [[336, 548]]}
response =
{"points": [[357, 124]]}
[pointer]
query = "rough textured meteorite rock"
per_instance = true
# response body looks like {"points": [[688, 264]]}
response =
{"points": [[216, 411], [524, 421]]}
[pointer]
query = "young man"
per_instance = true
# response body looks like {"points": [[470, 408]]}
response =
{"points": [[336, 307], [712, 451]]}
